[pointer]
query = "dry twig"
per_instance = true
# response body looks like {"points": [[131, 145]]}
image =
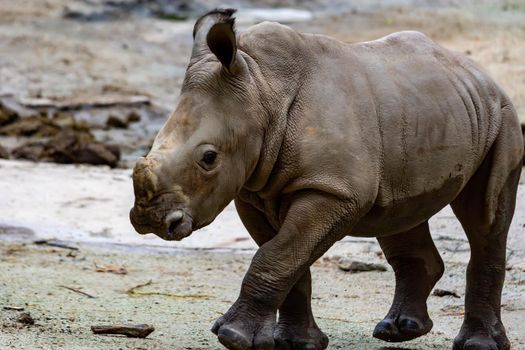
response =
{"points": [[444, 292], [135, 291], [13, 308], [78, 291], [132, 331], [54, 244], [118, 270]]}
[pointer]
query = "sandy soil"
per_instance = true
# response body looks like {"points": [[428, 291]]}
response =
{"points": [[91, 204], [203, 285], [87, 207]]}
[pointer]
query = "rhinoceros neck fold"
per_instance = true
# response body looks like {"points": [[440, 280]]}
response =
{"points": [[270, 149], [279, 62], [278, 105]]}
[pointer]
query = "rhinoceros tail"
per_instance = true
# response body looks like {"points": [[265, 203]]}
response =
{"points": [[222, 15]]}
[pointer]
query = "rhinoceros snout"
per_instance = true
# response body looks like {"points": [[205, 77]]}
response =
{"points": [[177, 225]]}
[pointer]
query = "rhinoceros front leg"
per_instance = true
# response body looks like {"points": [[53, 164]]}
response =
{"points": [[296, 328], [313, 223]]}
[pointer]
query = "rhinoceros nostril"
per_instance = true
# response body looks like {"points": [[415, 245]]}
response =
{"points": [[174, 219]]}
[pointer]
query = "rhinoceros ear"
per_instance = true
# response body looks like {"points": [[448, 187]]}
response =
{"points": [[221, 41], [214, 32]]}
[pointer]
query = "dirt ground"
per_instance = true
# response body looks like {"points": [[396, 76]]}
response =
{"points": [[86, 208], [198, 287], [45, 55]]}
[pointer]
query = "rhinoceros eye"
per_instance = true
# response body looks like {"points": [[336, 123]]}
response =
{"points": [[209, 157], [206, 157]]}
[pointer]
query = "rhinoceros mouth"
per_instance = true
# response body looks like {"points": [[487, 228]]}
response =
{"points": [[177, 225]]}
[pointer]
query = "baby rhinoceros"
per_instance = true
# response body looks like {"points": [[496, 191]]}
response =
{"points": [[316, 139]]}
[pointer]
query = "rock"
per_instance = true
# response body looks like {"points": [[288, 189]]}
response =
{"points": [[358, 266], [30, 151], [133, 117], [31, 126], [86, 102], [65, 120], [70, 146], [25, 318], [98, 10], [116, 122], [88, 11], [62, 148], [3, 153], [14, 108], [6, 118], [11, 111], [177, 10], [97, 153]]}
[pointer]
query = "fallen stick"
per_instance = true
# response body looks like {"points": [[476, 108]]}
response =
{"points": [[78, 291], [132, 331], [13, 308], [135, 291], [444, 292], [54, 244]]}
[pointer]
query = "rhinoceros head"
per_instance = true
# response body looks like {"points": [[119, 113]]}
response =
{"points": [[209, 146]]}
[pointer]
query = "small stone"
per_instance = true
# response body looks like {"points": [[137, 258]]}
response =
{"points": [[116, 122], [358, 266], [30, 151], [133, 117], [6, 118], [25, 318]]}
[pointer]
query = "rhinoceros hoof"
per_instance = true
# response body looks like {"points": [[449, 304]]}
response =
{"points": [[402, 329], [244, 334], [299, 338], [477, 338]]}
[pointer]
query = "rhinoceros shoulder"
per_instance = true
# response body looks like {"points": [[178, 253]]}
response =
{"points": [[407, 36], [405, 42]]}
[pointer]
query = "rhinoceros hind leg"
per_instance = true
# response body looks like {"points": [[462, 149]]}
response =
{"points": [[297, 329], [417, 266], [485, 208]]}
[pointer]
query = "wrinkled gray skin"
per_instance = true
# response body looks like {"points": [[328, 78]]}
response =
{"points": [[316, 139]]}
